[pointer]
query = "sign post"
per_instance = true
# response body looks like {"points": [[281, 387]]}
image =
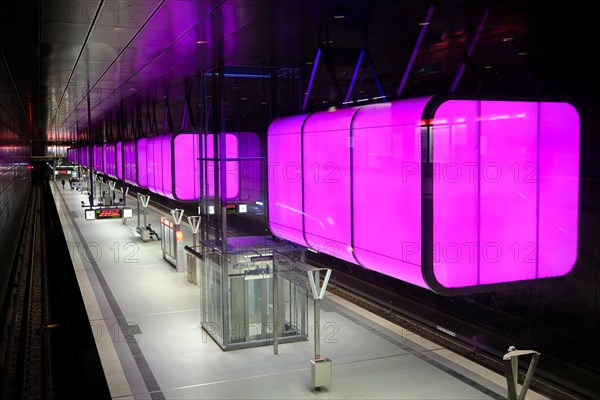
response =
{"points": [[143, 231], [124, 191], [192, 263], [320, 367]]}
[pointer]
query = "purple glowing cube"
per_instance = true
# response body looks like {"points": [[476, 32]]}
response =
{"points": [[98, 157], [450, 194], [119, 160], [84, 156], [110, 160]]}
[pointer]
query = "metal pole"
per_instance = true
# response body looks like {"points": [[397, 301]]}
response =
{"points": [[275, 312], [424, 26], [317, 329]]}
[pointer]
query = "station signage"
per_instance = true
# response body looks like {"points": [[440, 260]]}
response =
{"points": [[236, 208], [108, 213]]}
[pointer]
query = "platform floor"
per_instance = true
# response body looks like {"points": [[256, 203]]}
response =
{"points": [[145, 317]]}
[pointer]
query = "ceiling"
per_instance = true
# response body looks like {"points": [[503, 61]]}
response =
{"points": [[57, 56]]}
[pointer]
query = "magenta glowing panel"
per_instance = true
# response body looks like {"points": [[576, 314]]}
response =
{"points": [[326, 183], [172, 165], [98, 157], [505, 191], [119, 149], [141, 163], [387, 188], [284, 144], [72, 155], [186, 167], [84, 156], [491, 196], [110, 160], [155, 164], [130, 162]]}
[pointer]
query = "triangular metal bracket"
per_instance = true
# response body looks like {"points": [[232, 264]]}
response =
{"points": [[511, 365], [125, 190], [177, 214], [194, 222], [112, 184], [145, 199], [314, 278]]}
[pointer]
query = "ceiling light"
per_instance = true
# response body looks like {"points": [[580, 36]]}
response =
{"points": [[339, 16], [424, 23], [201, 41], [508, 39], [487, 67], [523, 53], [119, 28]]}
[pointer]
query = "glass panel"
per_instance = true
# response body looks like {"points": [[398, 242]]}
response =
{"points": [[212, 312]]}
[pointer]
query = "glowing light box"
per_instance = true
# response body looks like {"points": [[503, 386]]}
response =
{"points": [[98, 158], [450, 194], [119, 150], [174, 168], [72, 155], [110, 160]]}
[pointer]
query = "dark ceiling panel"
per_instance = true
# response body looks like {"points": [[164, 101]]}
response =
{"points": [[142, 48]]}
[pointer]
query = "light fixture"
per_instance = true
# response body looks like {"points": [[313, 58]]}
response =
{"points": [[201, 41], [339, 16], [508, 39], [424, 23]]}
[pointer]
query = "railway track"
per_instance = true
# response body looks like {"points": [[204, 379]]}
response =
{"points": [[49, 350], [29, 370]]}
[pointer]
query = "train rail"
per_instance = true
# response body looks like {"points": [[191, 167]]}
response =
{"points": [[50, 350]]}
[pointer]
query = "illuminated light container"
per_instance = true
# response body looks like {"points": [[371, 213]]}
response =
{"points": [[173, 165], [135, 161], [110, 159], [83, 154], [72, 155], [452, 194], [98, 157], [119, 161]]}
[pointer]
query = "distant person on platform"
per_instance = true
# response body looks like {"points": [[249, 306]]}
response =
{"points": [[63, 183]]}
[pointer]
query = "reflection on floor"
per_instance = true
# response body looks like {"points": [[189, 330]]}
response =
{"points": [[145, 317]]}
